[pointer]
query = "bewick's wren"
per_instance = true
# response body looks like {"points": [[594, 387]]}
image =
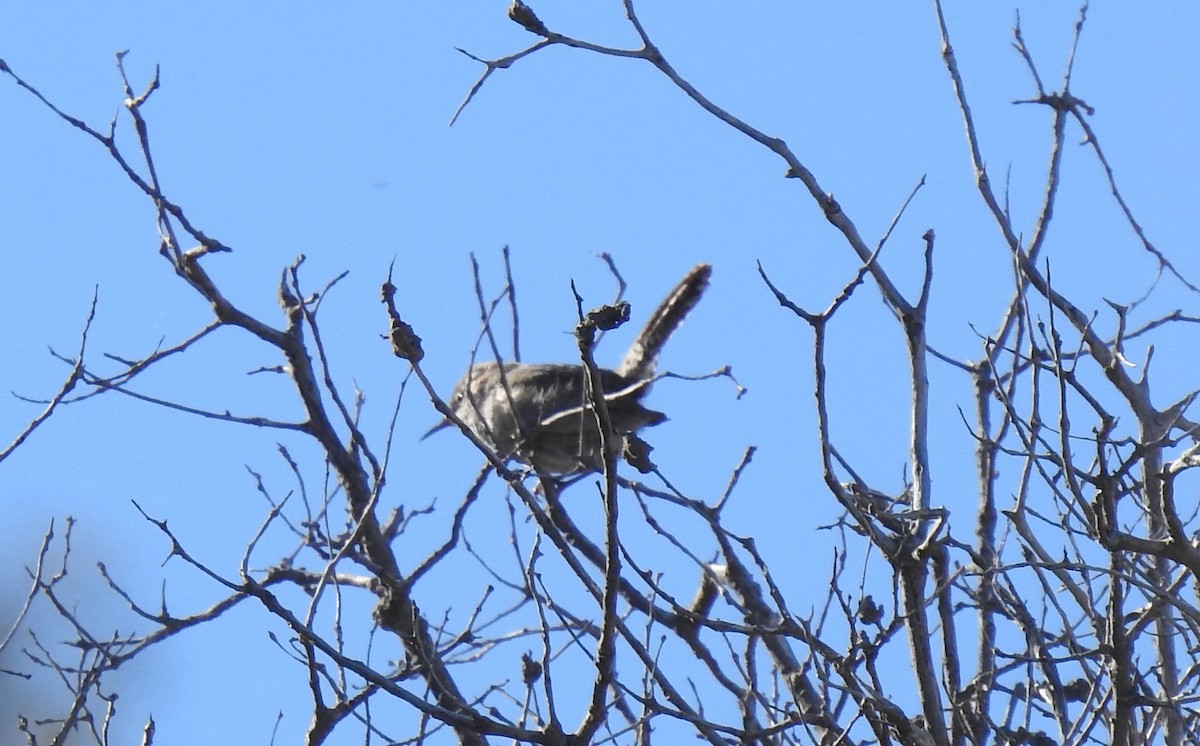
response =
{"points": [[541, 415]]}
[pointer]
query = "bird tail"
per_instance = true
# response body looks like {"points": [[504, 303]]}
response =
{"points": [[642, 357]]}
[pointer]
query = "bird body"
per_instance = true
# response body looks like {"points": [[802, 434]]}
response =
{"points": [[540, 414]]}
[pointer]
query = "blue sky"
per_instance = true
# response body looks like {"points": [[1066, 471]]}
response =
{"points": [[286, 129]]}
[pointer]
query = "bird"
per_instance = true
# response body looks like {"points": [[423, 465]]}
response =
{"points": [[540, 415]]}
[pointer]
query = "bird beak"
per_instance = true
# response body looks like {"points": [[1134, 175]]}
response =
{"points": [[445, 423]]}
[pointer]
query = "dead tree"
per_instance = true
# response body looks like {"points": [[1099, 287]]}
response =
{"points": [[1063, 610]]}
